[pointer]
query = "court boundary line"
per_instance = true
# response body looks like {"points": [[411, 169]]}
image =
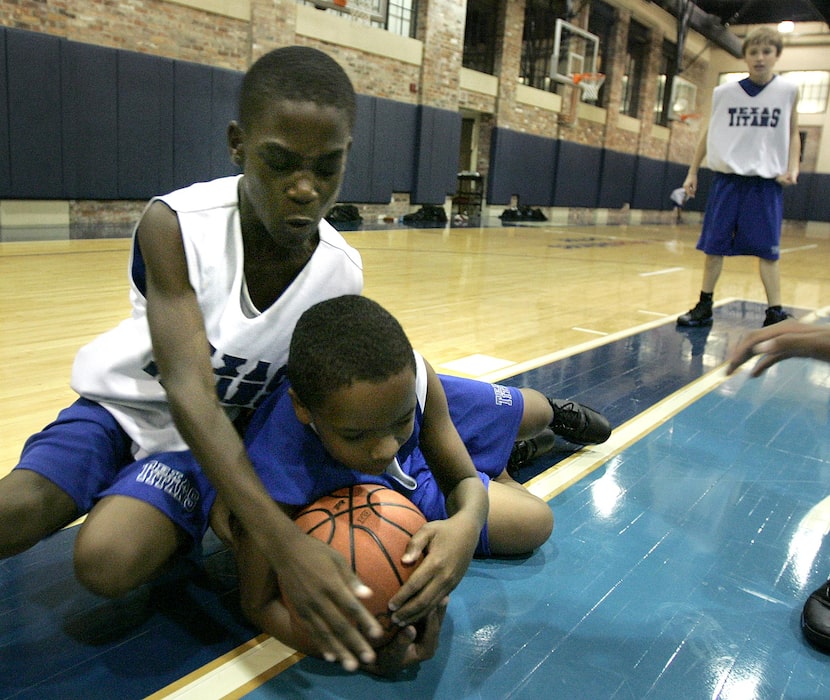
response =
{"points": [[258, 659], [557, 478], [528, 365]]}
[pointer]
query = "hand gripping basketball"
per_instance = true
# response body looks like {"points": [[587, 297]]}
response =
{"points": [[370, 525]]}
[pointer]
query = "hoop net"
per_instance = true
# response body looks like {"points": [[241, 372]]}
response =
{"points": [[690, 119], [361, 10], [589, 83]]}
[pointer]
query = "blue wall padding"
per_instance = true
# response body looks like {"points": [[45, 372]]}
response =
{"points": [[192, 90], [383, 155], [578, 170], [398, 130], [87, 122], [33, 68], [818, 184], [145, 125], [357, 182], [438, 144], [797, 199], [675, 175], [521, 165], [616, 181], [649, 176], [224, 99], [5, 167], [89, 117]]}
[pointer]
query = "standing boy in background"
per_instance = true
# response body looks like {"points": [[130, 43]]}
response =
{"points": [[752, 145]]}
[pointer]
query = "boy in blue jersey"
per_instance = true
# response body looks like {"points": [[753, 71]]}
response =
{"points": [[752, 145], [360, 406]]}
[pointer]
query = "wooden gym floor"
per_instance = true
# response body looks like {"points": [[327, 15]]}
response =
{"points": [[684, 547]]}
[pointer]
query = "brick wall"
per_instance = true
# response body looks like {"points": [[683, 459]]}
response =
{"points": [[177, 31]]}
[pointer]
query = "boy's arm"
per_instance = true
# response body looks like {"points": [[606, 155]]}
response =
{"points": [[690, 183], [449, 544], [794, 155], [259, 595], [316, 580]]}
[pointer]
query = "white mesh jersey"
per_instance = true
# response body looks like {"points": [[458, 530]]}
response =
{"points": [[249, 348], [750, 134]]}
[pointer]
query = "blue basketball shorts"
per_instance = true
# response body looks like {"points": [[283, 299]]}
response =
{"points": [[85, 452], [487, 417], [743, 217]]}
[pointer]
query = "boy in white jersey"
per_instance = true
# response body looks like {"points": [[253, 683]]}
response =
{"points": [[752, 145], [220, 272]]}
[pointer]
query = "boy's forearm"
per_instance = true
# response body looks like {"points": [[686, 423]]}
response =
{"points": [[470, 497], [222, 456], [699, 154]]}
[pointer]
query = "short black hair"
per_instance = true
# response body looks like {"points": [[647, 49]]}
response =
{"points": [[297, 73], [343, 340]]}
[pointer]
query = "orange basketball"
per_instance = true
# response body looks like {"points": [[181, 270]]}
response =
{"points": [[370, 525]]}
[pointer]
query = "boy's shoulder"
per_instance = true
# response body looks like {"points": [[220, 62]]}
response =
{"points": [[200, 196]]}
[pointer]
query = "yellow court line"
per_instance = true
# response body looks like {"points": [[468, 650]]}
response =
{"points": [[232, 672], [520, 367], [555, 480]]}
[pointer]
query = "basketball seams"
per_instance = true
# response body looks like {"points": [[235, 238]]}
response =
{"points": [[377, 540], [371, 530]]}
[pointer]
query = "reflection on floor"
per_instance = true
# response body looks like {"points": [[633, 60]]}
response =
{"points": [[678, 566]]}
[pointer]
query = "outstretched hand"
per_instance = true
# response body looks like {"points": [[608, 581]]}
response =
{"points": [[324, 593], [779, 342]]}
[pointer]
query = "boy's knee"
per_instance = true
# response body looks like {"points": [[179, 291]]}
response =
{"points": [[123, 544], [103, 567], [542, 525], [31, 507]]}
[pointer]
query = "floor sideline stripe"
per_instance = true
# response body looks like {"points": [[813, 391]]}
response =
{"points": [[535, 363], [553, 481], [228, 674]]}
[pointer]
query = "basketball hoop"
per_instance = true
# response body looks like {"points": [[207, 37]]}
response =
{"points": [[690, 119], [363, 11], [589, 83]]}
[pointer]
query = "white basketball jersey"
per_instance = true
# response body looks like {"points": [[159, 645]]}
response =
{"points": [[750, 135], [249, 348]]}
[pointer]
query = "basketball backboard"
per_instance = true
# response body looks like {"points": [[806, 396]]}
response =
{"points": [[575, 51]]}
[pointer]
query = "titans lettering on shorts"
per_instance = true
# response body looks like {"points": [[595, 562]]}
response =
{"points": [[237, 384], [754, 116], [503, 395], [173, 482]]}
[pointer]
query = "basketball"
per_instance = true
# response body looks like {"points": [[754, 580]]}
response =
{"points": [[370, 525]]}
